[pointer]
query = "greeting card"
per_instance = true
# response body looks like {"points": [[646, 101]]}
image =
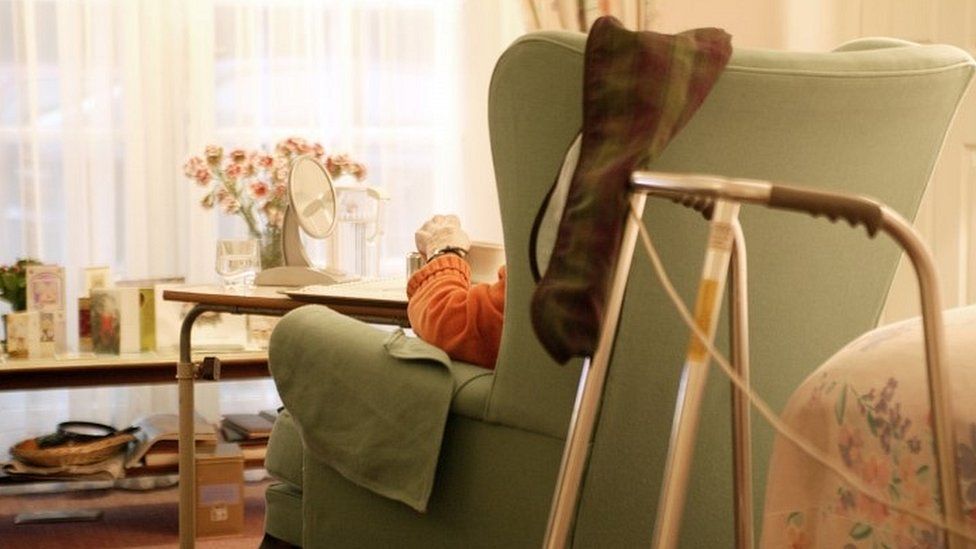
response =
{"points": [[147, 307], [95, 277], [52, 333], [115, 320], [45, 288], [84, 325], [23, 334]]}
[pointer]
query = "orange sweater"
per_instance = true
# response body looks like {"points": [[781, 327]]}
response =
{"points": [[446, 311]]}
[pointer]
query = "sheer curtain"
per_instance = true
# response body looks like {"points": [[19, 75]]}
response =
{"points": [[105, 99], [580, 14]]}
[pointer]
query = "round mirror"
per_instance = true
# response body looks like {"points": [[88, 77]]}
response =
{"points": [[313, 198]]}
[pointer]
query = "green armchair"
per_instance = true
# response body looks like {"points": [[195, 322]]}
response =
{"points": [[868, 118]]}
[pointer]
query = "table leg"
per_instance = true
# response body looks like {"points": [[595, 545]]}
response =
{"points": [[185, 375]]}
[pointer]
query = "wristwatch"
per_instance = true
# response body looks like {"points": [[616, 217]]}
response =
{"points": [[460, 252]]}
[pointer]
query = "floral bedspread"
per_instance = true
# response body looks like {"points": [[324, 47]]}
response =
{"points": [[867, 407]]}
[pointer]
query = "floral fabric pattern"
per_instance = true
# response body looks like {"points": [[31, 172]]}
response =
{"points": [[868, 408]]}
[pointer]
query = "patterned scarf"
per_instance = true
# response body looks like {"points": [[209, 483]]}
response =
{"points": [[639, 90]]}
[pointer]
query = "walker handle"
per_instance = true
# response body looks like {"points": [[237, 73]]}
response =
{"points": [[704, 205], [853, 209]]}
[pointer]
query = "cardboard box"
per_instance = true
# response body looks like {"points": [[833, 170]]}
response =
{"points": [[220, 491]]}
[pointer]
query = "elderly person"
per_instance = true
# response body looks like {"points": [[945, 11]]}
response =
{"points": [[444, 308]]}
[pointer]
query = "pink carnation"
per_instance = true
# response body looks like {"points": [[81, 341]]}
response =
{"points": [[259, 189], [193, 165], [234, 171], [202, 176]]}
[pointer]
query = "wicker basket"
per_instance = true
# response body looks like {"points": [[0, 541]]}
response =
{"points": [[83, 453]]}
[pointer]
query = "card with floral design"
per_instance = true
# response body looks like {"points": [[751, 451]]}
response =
{"points": [[45, 288], [115, 320], [23, 334]]}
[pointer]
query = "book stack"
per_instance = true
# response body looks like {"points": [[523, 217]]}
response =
{"points": [[251, 432], [156, 448]]}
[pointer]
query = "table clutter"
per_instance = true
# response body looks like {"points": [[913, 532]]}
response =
{"points": [[79, 450], [120, 317]]}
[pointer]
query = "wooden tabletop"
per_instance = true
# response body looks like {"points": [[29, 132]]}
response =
{"points": [[91, 370], [275, 298], [264, 297]]}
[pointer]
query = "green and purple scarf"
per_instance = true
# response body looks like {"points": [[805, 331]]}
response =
{"points": [[639, 90]]}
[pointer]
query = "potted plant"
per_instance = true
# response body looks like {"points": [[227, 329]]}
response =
{"points": [[13, 287]]}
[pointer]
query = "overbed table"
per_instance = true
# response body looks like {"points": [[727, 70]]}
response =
{"points": [[262, 300]]}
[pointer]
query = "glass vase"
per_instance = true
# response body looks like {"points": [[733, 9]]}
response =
{"points": [[271, 253]]}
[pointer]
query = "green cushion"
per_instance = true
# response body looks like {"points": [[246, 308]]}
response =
{"points": [[283, 516], [284, 457]]}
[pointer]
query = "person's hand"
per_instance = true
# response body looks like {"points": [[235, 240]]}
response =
{"points": [[439, 233]]}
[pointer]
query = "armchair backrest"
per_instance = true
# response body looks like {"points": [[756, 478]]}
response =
{"points": [[869, 118]]}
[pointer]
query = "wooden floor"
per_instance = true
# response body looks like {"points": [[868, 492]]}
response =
{"points": [[147, 519]]}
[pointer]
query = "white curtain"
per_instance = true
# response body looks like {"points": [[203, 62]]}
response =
{"points": [[580, 14], [103, 101]]}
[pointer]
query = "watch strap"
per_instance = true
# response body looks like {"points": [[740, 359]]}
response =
{"points": [[458, 251]]}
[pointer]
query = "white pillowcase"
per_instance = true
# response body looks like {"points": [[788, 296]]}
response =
{"points": [[545, 239]]}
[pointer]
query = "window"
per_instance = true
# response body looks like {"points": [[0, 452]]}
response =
{"points": [[103, 101]]}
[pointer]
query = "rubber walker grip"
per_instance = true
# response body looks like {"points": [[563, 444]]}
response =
{"points": [[853, 209]]}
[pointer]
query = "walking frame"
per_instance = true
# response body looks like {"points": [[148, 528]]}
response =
{"points": [[725, 257]]}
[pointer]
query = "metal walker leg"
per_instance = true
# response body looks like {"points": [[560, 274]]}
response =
{"points": [[592, 380], [695, 375], [724, 235]]}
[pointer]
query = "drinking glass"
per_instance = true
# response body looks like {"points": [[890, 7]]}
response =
{"points": [[238, 262]]}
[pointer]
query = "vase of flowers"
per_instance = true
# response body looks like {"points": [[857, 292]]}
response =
{"points": [[254, 185]]}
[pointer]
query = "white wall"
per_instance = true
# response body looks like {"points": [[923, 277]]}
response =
{"points": [[947, 218], [499, 23], [752, 23]]}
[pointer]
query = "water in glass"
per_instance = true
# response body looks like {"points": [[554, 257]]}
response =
{"points": [[238, 261]]}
